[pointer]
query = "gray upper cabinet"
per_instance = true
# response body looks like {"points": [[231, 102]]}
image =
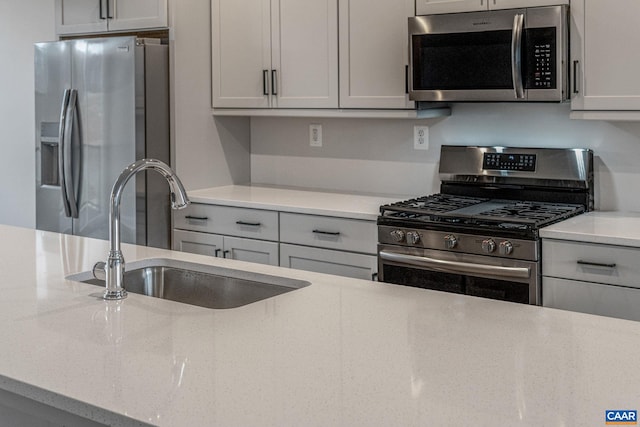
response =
{"points": [[374, 53], [427, 7], [604, 73], [96, 16], [275, 53]]}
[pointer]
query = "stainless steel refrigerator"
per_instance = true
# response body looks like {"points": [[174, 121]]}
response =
{"points": [[101, 104]]}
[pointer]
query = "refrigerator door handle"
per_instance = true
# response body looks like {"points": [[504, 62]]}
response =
{"points": [[62, 130], [69, 167]]}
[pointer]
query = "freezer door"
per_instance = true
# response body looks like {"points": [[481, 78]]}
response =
{"points": [[52, 88], [103, 73]]}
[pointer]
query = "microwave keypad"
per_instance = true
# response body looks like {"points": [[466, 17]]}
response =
{"points": [[540, 58], [543, 68]]}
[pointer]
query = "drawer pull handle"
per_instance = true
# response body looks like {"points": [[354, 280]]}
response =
{"points": [[216, 253], [252, 224], [225, 253], [596, 264], [197, 218], [328, 233]]}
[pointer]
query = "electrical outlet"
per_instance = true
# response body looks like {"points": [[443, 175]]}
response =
{"points": [[421, 137], [315, 135]]}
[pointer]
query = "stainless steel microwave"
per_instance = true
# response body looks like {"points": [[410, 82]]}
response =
{"points": [[499, 55]]}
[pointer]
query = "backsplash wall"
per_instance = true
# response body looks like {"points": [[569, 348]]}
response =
{"points": [[371, 155]]}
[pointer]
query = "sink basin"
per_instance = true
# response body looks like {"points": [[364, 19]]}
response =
{"points": [[198, 284]]}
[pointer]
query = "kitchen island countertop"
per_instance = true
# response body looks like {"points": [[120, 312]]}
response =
{"points": [[340, 352]]}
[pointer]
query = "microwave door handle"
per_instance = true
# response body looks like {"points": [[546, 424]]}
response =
{"points": [[516, 55], [457, 267], [62, 131]]}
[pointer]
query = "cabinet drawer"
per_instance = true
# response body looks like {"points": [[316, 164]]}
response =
{"points": [[593, 298], [231, 221], [614, 265], [329, 232], [327, 261]]}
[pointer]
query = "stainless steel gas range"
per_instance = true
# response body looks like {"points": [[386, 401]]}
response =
{"points": [[479, 235]]}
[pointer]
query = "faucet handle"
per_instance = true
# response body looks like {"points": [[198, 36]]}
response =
{"points": [[99, 270]]}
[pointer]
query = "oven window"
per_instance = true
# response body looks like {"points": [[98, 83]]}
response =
{"points": [[462, 61], [456, 283], [425, 279], [497, 289]]}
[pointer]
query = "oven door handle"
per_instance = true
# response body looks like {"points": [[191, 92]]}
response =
{"points": [[457, 267]]}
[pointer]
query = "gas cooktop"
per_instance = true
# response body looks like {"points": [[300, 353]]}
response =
{"points": [[475, 212]]}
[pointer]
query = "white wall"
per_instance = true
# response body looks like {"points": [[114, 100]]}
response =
{"points": [[22, 23], [366, 155], [207, 151]]}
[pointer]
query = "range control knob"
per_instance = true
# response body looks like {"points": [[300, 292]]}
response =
{"points": [[397, 235], [505, 248], [450, 241], [413, 237], [488, 246]]}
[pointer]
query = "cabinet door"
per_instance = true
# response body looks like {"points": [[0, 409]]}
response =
{"points": [[374, 53], [327, 261], [592, 298], [607, 72], [428, 7], [511, 4], [241, 56], [225, 247], [135, 14], [251, 250], [197, 243], [305, 53], [80, 16]]}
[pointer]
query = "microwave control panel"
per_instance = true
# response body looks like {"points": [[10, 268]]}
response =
{"points": [[541, 58]]}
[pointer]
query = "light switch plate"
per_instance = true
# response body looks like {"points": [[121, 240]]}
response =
{"points": [[421, 137]]}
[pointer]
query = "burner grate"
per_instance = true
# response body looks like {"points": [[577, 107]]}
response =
{"points": [[531, 212], [433, 204]]}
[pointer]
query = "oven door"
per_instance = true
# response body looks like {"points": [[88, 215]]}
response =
{"points": [[477, 275]]}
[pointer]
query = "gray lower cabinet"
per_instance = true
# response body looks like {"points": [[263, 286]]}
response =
{"points": [[323, 244], [226, 247], [228, 232], [591, 278], [341, 246], [346, 264]]}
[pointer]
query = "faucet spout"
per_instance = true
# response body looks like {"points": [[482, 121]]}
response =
{"points": [[114, 269]]}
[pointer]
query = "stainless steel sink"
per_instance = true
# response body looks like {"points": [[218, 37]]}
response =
{"points": [[197, 284]]}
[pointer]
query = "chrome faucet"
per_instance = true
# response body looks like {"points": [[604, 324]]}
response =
{"points": [[114, 268]]}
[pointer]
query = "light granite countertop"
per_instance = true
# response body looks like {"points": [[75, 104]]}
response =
{"points": [[340, 352], [613, 228], [298, 200]]}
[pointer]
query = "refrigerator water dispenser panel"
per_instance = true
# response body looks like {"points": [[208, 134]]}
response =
{"points": [[49, 170]]}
